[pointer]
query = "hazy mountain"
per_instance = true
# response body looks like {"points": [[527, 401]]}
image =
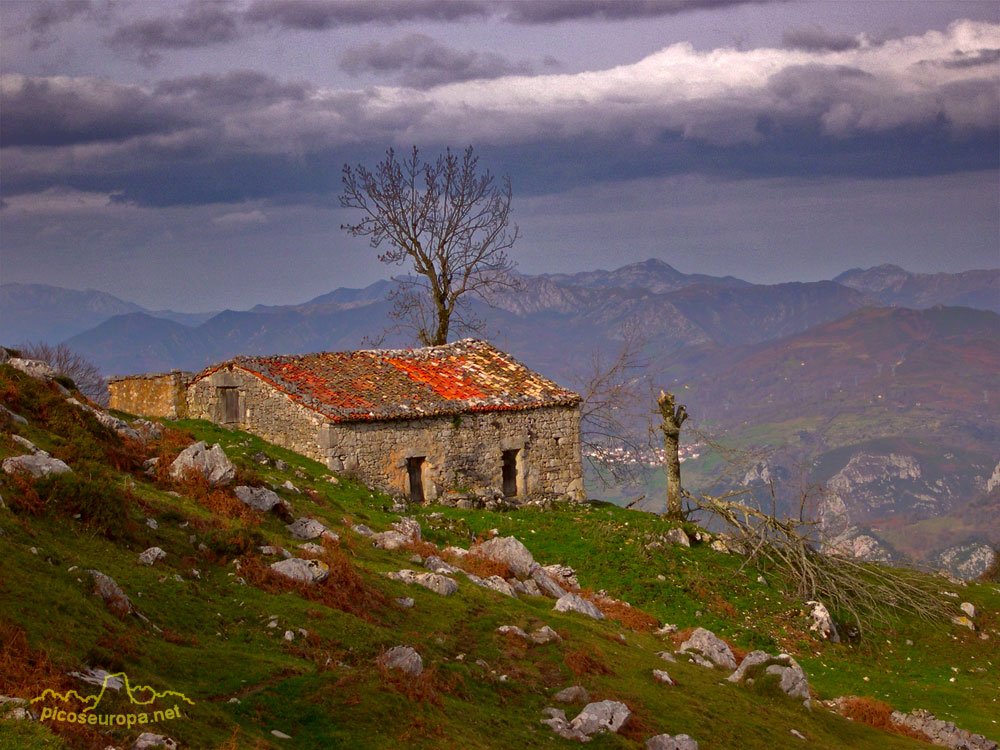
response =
{"points": [[892, 285], [39, 312]]}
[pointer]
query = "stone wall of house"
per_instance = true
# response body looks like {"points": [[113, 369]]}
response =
{"points": [[153, 395], [466, 452], [263, 410], [462, 453]]}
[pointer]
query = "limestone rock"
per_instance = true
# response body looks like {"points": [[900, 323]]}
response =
{"points": [[823, 624], [8, 414], [512, 630], [298, 569], [574, 694], [27, 444], [557, 721], [151, 556], [147, 430], [409, 528], [99, 677], [436, 565], [437, 583], [603, 716], [33, 368], [389, 540], [574, 603], [498, 584], [943, 733], [403, 658], [792, 679], [969, 608], [506, 550], [963, 622], [666, 742], [150, 741], [677, 536], [544, 635], [661, 675], [258, 498], [709, 645], [212, 463], [546, 584], [14, 708], [111, 592], [564, 575], [39, 465], [306, 529], [361, 530]]}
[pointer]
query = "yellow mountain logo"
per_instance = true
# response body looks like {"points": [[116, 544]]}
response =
{"points": [[138, 695]]}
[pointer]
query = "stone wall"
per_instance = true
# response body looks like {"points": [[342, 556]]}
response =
{"points": [[466, 452], [154, 395], [461, 453], [263, 410]]}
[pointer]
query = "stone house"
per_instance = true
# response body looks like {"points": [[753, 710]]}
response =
{"points": [[415, 422]]}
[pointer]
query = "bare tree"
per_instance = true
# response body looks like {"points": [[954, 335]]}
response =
{"points": [[448, 221], [73, 365], [610, 433], [671, 419], [867, 594]]}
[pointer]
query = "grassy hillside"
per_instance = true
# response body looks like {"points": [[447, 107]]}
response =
{"points": [[202, 615]]}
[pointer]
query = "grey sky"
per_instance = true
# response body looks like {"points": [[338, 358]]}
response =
{"points": [[187, 155]]}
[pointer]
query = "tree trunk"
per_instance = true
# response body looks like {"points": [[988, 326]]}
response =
{"points": [[671, 420]]}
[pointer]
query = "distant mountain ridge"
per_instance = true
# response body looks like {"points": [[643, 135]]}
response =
{"points": [[892, 285], [41, 312]]}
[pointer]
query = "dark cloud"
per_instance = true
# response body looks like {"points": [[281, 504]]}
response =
{"points": [[201, 23], [317, 15], [422, 62], [47, 15], [818, 39], [973, 59], [61, 112], [555, 11], [241, 87]]}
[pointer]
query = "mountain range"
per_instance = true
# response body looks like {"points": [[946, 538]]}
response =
{"points": [[835, 383]]}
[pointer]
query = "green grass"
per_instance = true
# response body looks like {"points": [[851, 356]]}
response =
{"points": [[208, 637]]}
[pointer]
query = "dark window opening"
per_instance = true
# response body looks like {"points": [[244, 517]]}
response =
{"points": [[415, 468], [510, 472], [229, 405]]}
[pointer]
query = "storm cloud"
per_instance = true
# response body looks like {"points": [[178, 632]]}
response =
{"points": [[898, 108], [422, 62]]}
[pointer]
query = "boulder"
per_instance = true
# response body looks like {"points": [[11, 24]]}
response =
{"points": [[6, 413], [661, 675], [211, 463], [403, 658], [666, 742], [574, 694], [709, 645], [298, 569], [564, 575], [436, 565], [39, 465], [822, 622], [603, 716], [557, 721], [574, 603], [969, 608], [943, 733], [306, 529], [506, 550], [33, 368], [150, 741], [678, 536], [498, 584], [258, 498], [99, 677], [389, 540], [512, 630], [16, 709], [112, 594], [792, 679], [546, 584], [544, 635], [409, 528], [437, 583], [151, 556]]}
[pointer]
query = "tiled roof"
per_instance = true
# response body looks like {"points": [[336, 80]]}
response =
{"points": [[376, 384]]}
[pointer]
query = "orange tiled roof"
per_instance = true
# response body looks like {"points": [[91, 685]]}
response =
{"points": [[370, 385]]}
